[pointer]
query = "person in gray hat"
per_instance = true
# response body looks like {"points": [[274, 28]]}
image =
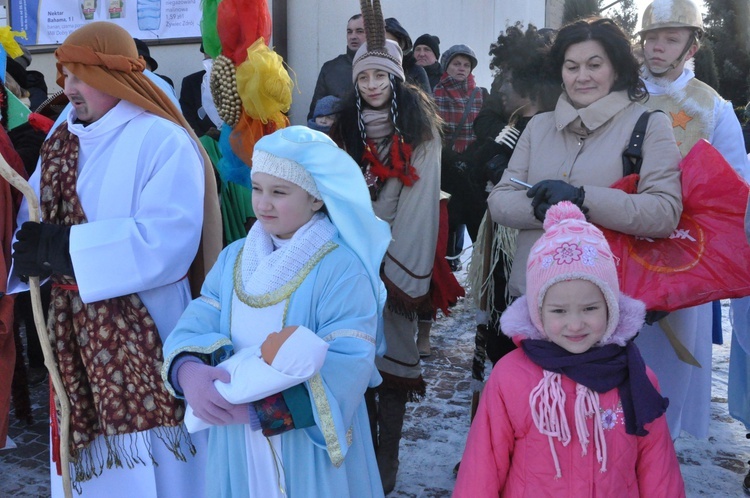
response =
{"points": [[459, 101]]}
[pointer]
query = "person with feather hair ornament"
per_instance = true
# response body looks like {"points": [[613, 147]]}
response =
{"points": [[391, 129]]}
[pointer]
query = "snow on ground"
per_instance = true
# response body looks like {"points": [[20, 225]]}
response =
{"points": [[435, 430]]}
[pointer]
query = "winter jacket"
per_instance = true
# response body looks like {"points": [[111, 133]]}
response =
{"points": [[335, 78], [506, 455], [434, 72], [584, 148], [415, 74]]}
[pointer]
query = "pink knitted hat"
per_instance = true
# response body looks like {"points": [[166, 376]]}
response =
{"points": [[571, 248]]}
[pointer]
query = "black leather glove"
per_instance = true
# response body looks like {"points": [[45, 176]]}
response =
{"points": [[42, 248], [547, 193]]}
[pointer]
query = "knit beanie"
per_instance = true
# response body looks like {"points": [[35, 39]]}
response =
{"points": [[326, 106], [455, 50], [570, 249], [431, 41], [284, 168], [388, 59]]}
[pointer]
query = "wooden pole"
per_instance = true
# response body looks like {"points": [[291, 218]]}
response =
{"points": [[17, 181]]}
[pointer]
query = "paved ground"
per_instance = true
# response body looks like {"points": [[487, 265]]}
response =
{"points": [[435, 429], [24, 469]]}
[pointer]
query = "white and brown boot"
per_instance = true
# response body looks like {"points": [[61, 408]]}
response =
{"points": [[423, 338]]}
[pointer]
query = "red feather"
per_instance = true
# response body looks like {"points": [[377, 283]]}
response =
{"points": [[239, 24]]}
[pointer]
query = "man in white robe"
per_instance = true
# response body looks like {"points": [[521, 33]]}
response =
{"points": [[670, 37], [149, 211]]}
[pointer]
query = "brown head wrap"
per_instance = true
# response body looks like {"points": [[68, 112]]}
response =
{"points": [[104, 56]]}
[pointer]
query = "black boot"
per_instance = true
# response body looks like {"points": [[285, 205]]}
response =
{"points": [[391, 410], [746, 481], [372, 415]]}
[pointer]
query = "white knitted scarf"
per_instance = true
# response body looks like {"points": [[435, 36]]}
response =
{"points": [[266, 270]]}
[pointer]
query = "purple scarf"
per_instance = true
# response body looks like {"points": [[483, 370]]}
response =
{"points": [[601, 369]]}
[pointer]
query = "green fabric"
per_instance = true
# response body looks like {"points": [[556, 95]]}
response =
{"points": [[236, 208], [236, 200], [297, 399], [209, 34], [212, 148], [18, 113]]}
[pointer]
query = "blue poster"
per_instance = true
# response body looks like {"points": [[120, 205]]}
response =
{"points": [[49, 22], [23, 16]]}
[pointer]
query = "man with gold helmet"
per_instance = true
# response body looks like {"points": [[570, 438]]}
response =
{"points": [[671, 31], [670, 36]]}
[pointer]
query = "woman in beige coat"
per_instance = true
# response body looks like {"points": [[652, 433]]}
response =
{"points": [[575, 152]]}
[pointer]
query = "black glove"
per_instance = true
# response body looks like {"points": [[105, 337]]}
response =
{"points": [[547, 193], [653, 316], [42, 248]]}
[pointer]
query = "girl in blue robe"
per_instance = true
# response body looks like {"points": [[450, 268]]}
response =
{"points": [[275, 356]]}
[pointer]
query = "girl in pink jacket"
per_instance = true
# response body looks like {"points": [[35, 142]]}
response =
{"points": [[573, 411]]}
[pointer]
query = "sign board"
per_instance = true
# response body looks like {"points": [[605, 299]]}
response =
{"points": [[48, 22]]}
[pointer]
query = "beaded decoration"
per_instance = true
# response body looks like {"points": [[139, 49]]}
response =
{"points": [[223, 86]]}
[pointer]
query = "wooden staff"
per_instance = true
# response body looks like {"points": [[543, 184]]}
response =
{"points": [[17, 181]]}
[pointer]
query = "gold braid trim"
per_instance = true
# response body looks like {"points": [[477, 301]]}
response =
{"points": [[214, 351], [286, 290], [328, 428]]}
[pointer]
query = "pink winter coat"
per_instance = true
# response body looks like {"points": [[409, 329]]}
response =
{"points": [[507, 456]]}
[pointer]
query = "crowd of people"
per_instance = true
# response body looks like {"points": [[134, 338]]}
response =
{"points": [[262, 330]]}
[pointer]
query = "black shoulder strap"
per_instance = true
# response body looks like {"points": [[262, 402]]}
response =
{"points": [[632, 156], [467, 109]]}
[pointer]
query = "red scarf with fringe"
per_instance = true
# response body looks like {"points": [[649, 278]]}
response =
{"points": [[109, 352]]}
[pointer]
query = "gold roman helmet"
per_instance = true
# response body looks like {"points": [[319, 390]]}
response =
{"points": [[672, 14], [661, 14]]}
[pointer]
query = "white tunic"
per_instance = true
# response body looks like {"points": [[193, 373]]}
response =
{"points": [[140, 182], [687, 387], [726, 134]]}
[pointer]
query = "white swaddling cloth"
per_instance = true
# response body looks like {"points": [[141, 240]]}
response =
{"points": [[299, 358]]}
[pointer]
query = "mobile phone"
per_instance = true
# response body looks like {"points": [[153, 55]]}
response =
{"points": [[516, 180]]}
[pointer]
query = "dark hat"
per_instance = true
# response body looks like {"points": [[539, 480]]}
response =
{"points": [[394, 27], [25, 58], [431, 41], [455, 50], [16, 70], [144, 52]]}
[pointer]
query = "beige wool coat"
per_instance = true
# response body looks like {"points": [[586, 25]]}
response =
{"points": [[584, 148]]}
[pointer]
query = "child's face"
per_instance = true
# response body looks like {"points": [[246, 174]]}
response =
{"points": [[574, 315], [325, 120], [374, 87], [281, 206]]}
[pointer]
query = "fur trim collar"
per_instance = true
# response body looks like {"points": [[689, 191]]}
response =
{"points": [[515, 322]]}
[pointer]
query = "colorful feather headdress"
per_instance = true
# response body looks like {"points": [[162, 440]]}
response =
{"points": [[249, 84]]}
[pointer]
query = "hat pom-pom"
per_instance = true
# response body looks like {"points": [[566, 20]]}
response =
{"points": [[564, 210]]}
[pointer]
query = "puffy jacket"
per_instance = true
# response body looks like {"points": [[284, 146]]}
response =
{"points": [[507, 456]]}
